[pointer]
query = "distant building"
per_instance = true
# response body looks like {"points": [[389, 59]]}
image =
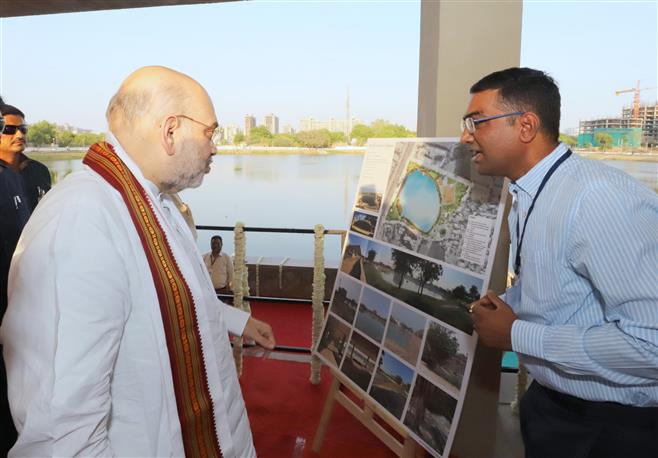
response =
{"points": [[230, 132], [332, 125], [621, 137], [73, 129], [288, 129], [648, 118], [272, 123], [249, 123], [625, 130]]}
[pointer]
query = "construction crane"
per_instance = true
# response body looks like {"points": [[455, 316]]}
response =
{"points": [[636, 97]]}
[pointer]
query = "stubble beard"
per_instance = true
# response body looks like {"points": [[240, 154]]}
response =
{"points": [[188, 170]]}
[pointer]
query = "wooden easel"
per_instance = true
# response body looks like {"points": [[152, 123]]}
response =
{"points": [[405, 448]]}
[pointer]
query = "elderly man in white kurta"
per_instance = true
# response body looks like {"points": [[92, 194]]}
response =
{"points": [[114, 340]]}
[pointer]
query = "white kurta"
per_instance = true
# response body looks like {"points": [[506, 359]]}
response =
{"points": [[87, 361]]}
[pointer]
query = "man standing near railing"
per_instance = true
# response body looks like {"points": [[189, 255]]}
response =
{"points": [[220, 266]]}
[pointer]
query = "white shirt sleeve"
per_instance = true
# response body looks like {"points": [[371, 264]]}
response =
{"points": [[235, 319]]}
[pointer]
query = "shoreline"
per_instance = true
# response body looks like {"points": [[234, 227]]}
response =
{"points": [[608, 156], [79, 154]]}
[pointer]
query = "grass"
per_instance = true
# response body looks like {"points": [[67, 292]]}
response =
{"points": [[51, 156], [448, 311], [277, 152], [620, 157]]}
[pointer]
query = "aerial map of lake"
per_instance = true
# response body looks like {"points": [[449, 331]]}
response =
{"points": [[420, 200]]}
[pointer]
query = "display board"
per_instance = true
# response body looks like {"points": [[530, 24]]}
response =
{"points": [[420, 248]]}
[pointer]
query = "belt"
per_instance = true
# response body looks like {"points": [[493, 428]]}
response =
{"points": [[640, 416]]}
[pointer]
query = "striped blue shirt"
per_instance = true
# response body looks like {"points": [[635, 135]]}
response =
{"points": [[587, 301]]}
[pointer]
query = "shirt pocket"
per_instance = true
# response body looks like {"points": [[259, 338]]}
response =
{"points": [[540, 276]]}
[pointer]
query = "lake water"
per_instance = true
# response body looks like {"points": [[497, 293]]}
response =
{"points": [[289, 191], [420, 200], [276, 191], [371, 326]]}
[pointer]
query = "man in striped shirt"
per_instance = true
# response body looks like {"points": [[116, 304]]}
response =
{"points": [[583, 312]]}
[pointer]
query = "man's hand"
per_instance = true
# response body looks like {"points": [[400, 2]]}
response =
{"points": [[261, 332], [493, 319]]}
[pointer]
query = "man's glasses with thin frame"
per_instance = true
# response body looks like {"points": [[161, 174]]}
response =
{"points": [[469, 124], [216, 132]]}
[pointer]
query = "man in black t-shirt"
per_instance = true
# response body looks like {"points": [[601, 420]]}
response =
{"points": [[15, 209], [13, 140]]}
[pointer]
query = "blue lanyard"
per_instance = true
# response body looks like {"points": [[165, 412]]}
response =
{"points": [[519, 243]]}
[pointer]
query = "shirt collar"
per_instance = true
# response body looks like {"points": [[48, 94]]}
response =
{"points": [[23, 162], [529, 183], [132, 166]]}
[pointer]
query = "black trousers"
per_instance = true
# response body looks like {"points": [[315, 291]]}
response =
{"points": [[8, 434], [556, 425]]}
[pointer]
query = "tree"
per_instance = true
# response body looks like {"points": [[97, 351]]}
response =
{"points": [[473, 293], [403, 264], [87, 138], [65, 138], [238, 138], [570, 140], [603, 139], [284, 140], [361, 133], [337, 138], [259, 136], [41, 133], [428, 271], [315, 138], [384, 129], [441, 345]]}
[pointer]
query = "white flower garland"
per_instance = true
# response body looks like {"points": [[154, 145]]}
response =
{"points": [[258, 261], [238, 287], [281, 272], [317, 298]]}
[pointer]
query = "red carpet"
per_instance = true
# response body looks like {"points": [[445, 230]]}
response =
{"points": [[291, 322], [284, 411]]}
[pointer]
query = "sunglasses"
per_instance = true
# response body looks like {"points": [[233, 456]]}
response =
{"points": [[11, 129]]}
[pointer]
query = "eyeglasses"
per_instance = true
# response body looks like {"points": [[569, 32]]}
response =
{"points": [[216, 131], [470, 124], [10, 129]]}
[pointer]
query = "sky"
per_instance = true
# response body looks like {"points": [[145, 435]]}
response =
{"points": [[298, 58]]}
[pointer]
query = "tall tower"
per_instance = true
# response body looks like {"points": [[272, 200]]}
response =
{"points": [[348, 116]]}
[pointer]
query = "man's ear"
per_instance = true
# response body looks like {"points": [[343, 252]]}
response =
{"points": [[530, 125], [167, 132]]}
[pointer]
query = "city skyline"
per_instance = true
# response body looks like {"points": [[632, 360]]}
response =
{"points": [[313, 52]]}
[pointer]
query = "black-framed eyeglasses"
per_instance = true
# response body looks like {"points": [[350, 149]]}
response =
{"points": [[10, 129], [470, 124], [216, 131]]}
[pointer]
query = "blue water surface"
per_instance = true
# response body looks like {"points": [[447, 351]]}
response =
{"points": [[420, 200]]}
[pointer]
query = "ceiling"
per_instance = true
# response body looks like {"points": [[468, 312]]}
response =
{"points": [[13, 8]]}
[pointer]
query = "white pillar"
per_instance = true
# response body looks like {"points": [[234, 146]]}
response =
{"points": [[460, 42]]}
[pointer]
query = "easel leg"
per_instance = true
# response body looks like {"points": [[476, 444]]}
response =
{"points": [[326, 416]]}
